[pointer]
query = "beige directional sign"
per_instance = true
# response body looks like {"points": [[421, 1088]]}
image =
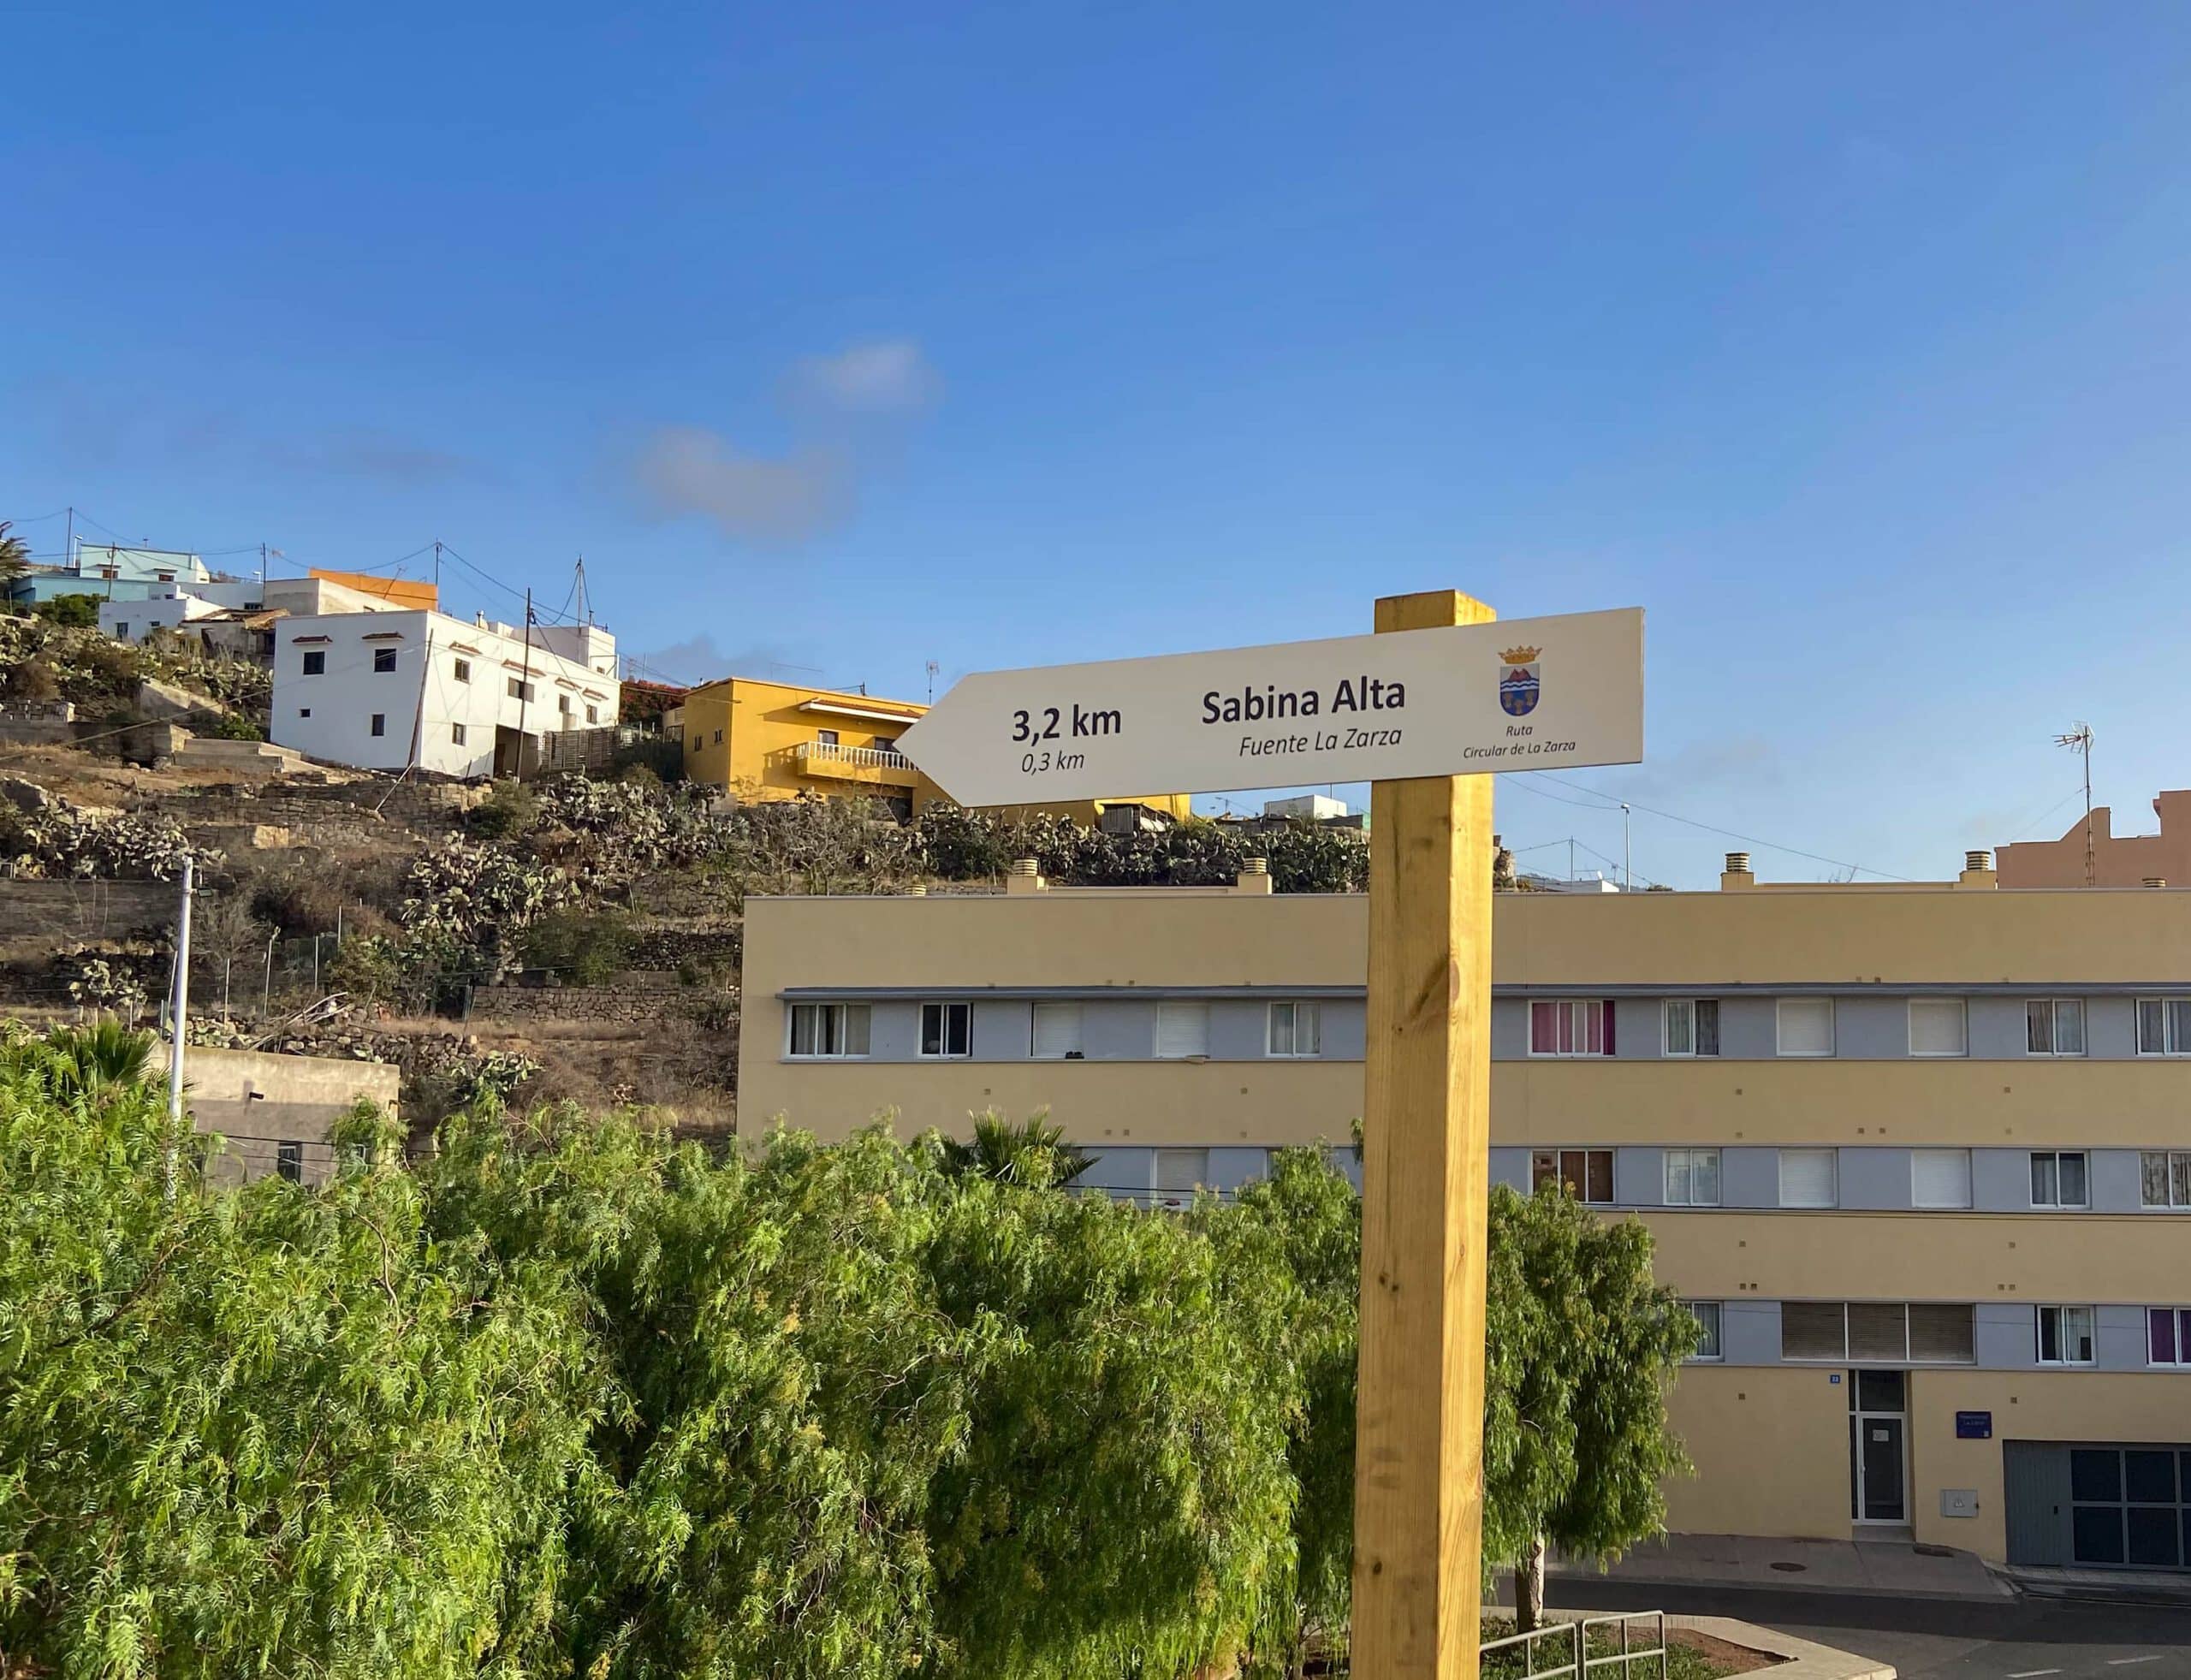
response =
{"points": [[1525, 694]]}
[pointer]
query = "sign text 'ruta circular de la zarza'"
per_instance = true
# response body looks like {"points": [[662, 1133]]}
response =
{"points": [[1527, 694]]}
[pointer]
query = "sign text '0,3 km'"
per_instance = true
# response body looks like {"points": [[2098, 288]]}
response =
{"points": [[1527, 694]]}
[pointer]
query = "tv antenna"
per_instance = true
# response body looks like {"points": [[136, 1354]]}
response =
{"points": [[2079, 741], [933, 667]]}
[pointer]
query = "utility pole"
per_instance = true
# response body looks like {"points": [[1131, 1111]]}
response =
{"points": [[178, 1012], [261, 574], [2079, 741], [524, 688], [68, 542], [437, 573], [1627, 875]]}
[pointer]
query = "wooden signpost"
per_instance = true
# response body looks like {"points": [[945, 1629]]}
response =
{"points": [[1425, 1140], [1423, 710]]}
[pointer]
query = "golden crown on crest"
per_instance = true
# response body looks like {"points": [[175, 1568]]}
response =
{"points": [[1521, 655]]}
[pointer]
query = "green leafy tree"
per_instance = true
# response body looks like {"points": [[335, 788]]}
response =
{"points": [[584, 948], [1290, 1247], [69, 612], [1582, 1347], [268, 1430]]}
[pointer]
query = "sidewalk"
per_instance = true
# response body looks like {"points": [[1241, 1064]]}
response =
{"points": [[1893, 1568], [2114, 1586]]}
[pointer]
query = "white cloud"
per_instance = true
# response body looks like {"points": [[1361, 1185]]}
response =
{"points": [[888, 376], [845, 412], [683, 469]]}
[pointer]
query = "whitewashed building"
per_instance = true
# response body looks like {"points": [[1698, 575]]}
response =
{"points": [[393, 691], [191, 606]]}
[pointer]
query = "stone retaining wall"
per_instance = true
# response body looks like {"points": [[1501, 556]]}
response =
{"points": [[623, 1003], [69, 910]]}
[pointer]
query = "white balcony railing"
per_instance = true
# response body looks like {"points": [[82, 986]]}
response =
{"points": [[822, 756]]}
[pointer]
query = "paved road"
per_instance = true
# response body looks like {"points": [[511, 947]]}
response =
{"points": [[1937, 1639]]}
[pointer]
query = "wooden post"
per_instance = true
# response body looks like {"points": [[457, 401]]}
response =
{"points": [[1418, 1465]]}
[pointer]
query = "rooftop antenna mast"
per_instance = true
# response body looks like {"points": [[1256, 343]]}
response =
{"points": [[933, 667], [2079, 741], [577, 584]]}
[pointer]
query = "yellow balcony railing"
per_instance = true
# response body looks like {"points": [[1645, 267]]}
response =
{"points": [[871, 764]]}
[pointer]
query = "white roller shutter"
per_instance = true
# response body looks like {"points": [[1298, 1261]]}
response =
{"points": [[1806, 1027], [1179, 1174], [1937, 1027], [1057, 1031], [1182, 1031], [1939, 1178], [1808, 1178]]}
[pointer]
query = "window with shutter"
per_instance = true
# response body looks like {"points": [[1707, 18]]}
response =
{"points": [[1057, 1031], [1809, 1178], [1813, 1330], [1182, 1031], [1878, 1330], [1805, 1026], [1939, 1178], [1937, 1027], [1941, 1333], [1179, 1174]]}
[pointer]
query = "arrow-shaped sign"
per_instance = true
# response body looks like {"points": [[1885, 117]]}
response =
{"points": [[1527, 694]]}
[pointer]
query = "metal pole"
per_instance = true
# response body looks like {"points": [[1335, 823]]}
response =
{"points": [[1627, 876], [524, 691], [178, 997], [266, 997]]}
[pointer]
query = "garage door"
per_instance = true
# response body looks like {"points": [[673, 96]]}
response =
{"points": [[2092, 1503], [2130, 1505]]}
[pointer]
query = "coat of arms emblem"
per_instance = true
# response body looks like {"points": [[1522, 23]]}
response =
{"points": [[1517, 681]]}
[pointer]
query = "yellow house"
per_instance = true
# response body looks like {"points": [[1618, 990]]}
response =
{"points": [[772, 740], [1918, 1156]]}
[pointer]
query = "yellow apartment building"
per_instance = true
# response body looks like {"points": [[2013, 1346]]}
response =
{"points": [[1919, 1156], [770, 740]]}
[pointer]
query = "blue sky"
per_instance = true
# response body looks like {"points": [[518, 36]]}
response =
{"points": [[1850, 342]]}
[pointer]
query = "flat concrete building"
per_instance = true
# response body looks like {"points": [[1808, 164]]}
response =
{"points": [[1920, 1155]]}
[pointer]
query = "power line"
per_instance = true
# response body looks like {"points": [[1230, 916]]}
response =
{"points": [[1613, 804]]}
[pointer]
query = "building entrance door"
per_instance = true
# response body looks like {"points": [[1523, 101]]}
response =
{"points": [[1878, 1446]]}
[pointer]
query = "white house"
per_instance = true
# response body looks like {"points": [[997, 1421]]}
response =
{"points": [[184, 604], [389, 690]]}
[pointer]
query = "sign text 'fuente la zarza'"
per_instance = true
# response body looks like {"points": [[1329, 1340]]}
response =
{"points": [[1529, 694]]}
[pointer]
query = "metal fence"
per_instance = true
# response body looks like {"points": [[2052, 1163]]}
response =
{"points": [[1562, 1650]]}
